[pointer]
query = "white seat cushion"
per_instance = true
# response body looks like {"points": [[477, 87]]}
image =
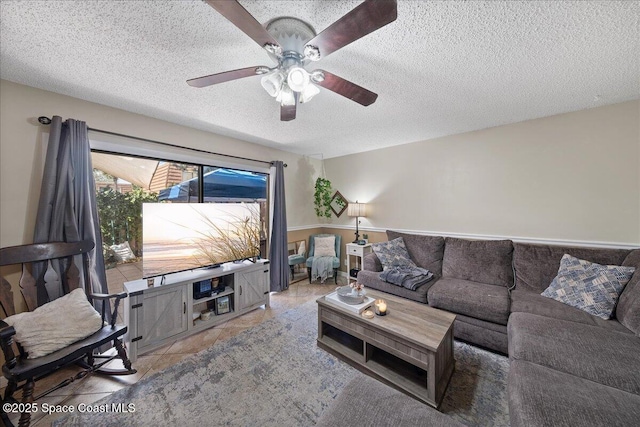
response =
{"points": [[56, 324]]}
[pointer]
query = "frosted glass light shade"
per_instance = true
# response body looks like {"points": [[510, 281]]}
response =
{"points": [[309, 92], [286, 97], [272, 83], [298, 79]]}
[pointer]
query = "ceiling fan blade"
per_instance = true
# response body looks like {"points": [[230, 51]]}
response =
{"points": [[288, 112], [364, 19], [347, 89], [238, 15], [223, 77]]}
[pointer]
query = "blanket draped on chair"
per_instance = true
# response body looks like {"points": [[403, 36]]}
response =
{"points": [[321, 268]]}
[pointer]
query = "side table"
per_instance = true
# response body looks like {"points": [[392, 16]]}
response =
{"points": [[357, 251]]}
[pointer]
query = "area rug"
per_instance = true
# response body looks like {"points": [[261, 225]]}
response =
{"points": [[275, 375]]}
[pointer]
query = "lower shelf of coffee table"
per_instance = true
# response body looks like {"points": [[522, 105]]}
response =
{"points": [[372, 358]]}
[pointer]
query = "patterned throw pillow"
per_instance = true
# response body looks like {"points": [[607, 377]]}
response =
{"points": [[324, 246], [393, 253], [588, 286]]}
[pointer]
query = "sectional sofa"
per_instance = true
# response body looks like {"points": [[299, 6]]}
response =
{"points": [[568, 367]]}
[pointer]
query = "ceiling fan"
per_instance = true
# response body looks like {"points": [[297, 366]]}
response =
{"points": [[293, 44]]}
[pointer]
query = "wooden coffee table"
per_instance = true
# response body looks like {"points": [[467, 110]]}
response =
{"points": [[411, 348]]}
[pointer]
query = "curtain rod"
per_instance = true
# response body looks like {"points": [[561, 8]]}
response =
{"points": [[47, 121]]}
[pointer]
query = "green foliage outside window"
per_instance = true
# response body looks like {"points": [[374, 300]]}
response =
{"points": [[121, 217]]}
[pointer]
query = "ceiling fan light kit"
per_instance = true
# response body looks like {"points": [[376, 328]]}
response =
{"points": [[293, 43]]}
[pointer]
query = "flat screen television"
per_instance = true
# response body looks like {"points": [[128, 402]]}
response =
{"points": [[186, 236]]}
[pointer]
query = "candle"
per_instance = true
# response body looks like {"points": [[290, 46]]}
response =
{"points": [[381, 307]]}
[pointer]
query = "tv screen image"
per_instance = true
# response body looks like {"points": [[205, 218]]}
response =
{"points": [[185, 236]]}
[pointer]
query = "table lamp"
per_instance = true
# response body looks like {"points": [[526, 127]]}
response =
{"points": [[358, 210]]}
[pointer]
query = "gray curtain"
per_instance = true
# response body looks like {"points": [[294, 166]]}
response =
{"points": [[67, 211], [278, 251]]}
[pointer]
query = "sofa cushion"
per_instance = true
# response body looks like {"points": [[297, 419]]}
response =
{"points": [[597, 354], [371, 279], [392, 253], [588, 286], [540, 396], [473, 299], [534, 303], [426, 251], [368, 402], [371, 262], [483, 261], [628, 310], [480, 332], [536, 265]]}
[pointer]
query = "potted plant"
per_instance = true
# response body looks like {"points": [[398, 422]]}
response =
{"points": [[365, 237], [322, 198]]}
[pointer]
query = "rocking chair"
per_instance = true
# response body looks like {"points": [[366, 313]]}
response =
{"points": [[22, 372]]}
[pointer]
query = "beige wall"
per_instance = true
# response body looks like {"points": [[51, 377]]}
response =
{"points": [[571, 177], [23, 146]]}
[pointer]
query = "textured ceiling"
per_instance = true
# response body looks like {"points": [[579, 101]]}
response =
{"points": [[441, 68]]}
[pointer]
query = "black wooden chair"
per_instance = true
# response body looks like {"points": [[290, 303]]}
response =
{"points": [[21, 372]]}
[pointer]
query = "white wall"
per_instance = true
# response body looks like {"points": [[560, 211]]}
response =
{"points": [[23, 147], [573, 177]]}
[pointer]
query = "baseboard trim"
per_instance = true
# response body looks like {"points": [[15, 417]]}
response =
{"points": [[519, 239]]}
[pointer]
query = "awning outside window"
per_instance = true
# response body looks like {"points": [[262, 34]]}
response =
{"points": [[135, 170], [220, 185]]}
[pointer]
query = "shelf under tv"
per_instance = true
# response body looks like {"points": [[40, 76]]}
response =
{"points": [[162, 314], [227, 291]]}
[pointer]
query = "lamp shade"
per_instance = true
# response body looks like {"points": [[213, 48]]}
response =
{"points": [[357, 209]]}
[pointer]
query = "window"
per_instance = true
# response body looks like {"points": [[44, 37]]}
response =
{"points": [[123, 183]]}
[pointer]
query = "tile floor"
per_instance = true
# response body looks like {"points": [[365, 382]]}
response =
{"points": [[95, 387]]}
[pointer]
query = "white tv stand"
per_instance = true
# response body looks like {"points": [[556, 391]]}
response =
{"points": [[164, 313]]}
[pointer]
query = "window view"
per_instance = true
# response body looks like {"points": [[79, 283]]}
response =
{"points": [[123, 184]]}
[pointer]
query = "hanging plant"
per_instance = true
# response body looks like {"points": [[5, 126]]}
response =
{"points": [[322, 198]]}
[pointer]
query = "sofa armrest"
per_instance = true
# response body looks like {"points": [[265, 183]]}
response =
{"points": [[371, 262]]}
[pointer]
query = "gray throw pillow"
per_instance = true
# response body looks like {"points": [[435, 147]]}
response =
{"points": [[392, 253], [588, 286]]}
